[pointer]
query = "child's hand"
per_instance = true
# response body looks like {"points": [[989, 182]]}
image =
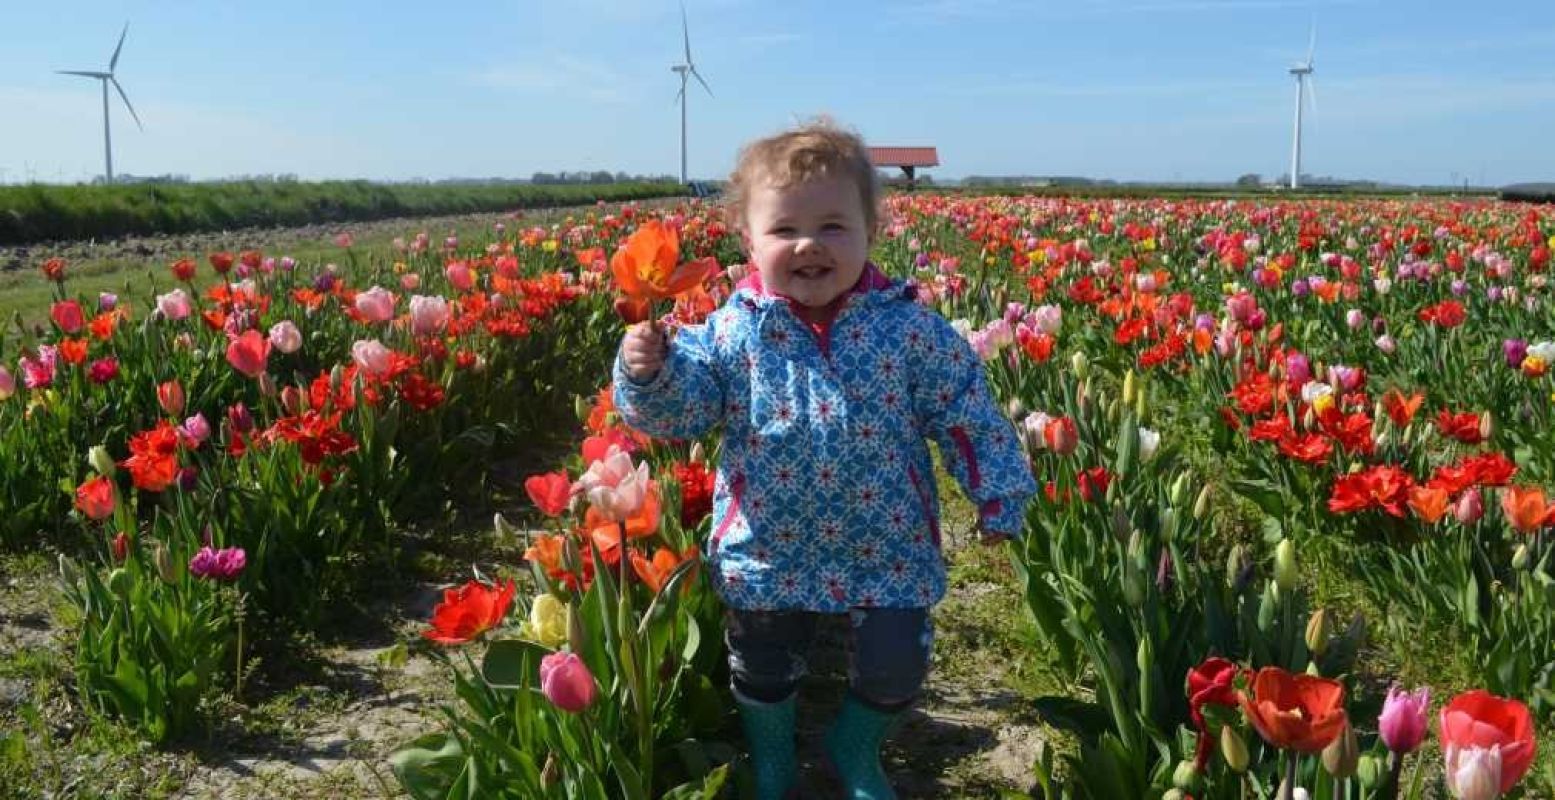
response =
{"points": [[991, 538], [644, 350]]}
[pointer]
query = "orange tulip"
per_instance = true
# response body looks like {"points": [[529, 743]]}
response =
{"points": [[1525, 507], [1428, 504], [607, 533], [1302, 712], [648, 266], [655, 572]]}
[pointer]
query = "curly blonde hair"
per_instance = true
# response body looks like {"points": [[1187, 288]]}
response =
{"points": [[816, 149]]}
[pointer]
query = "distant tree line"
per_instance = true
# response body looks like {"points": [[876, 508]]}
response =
{"points": [[596, 177]]}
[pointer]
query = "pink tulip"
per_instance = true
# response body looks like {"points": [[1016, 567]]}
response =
{"points": [[39, 373], [1474, 773], [249, 353], [566, 681], [344, 240], [7, 384], [410, 281], [371, 356], [174, 305], [1403, 723], [459, 275], [428, 315], [1470, 506], [285, 337], [375, 304], [195, 429], [614, 486]]}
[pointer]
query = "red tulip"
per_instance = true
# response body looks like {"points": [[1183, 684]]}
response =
{"points": [[1480, 719], [549, 492], [1061, 436], [67, 314], [1295, 712], [469, 611], [95, 498], [249, 353], [1210, 683], [170, 395]]}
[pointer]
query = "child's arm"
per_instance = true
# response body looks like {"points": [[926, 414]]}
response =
{"points": [[978, 443], [685, 399]]}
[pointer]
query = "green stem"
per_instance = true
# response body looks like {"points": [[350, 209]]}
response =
{"points": [[1288, 786]]}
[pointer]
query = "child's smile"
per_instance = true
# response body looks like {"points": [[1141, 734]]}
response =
{"points": [[809, 241]]}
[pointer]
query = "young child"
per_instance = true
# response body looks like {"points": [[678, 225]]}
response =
{"points": [[827, 378]]}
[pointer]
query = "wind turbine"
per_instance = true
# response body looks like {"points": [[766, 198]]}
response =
{"points": [[1304, 92], [687, 71], [107, 78]]}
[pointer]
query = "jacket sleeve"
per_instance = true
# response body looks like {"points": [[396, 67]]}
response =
{"points": [[686, 399], [977, 442]]}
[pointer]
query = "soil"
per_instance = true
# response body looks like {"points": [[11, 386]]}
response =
{"points": [[324, 726]]}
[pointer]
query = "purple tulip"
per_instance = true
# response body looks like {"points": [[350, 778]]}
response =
{"points": [[1515, 351], [1403, 722], [225, 564], [1459, 287], [566, 681], [1300, 288]]}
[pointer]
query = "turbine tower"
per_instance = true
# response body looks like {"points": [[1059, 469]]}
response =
{"points": [[106, 78], [687, 71], [1303, 73]]}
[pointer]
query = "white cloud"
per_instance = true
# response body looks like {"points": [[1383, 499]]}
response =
{"points": [[564, 75]]}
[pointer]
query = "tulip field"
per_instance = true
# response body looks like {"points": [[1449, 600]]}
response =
{"points": [[1294, 540]]}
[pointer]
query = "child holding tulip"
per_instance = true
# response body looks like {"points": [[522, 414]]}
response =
{"points": [[827, 378]]}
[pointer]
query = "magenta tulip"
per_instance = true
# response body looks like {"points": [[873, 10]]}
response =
{"points": [[566, 681], [1403, 723]]}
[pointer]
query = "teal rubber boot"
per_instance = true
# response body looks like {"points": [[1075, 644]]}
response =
{"points": [[854, 746], [769, 733]]}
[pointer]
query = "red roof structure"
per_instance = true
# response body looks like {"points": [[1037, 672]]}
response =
{"points": [[904, 156]]}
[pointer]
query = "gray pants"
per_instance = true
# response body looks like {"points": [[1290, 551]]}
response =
{"points": [[889, 651]]}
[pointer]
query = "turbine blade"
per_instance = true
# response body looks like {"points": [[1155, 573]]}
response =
{"points": [[698, 76], [680, 96], [685, 32], [84, 74], [114, 62], [127, 103], [1311, 44], [1312, 99]]}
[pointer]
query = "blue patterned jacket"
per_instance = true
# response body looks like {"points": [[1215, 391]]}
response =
{"points": [[825, 498]]}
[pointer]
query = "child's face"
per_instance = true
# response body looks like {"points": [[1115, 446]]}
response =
{"points": [[809, 241]]}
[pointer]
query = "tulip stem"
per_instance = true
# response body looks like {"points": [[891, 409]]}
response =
{"points": [[1288, 787], [1395, 771]]}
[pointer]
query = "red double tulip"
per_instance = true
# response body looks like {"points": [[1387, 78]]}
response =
{"points": [[1301, 712], [469, 611]]}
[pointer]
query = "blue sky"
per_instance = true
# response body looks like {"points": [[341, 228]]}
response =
{"points": [[1423, 92]]}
